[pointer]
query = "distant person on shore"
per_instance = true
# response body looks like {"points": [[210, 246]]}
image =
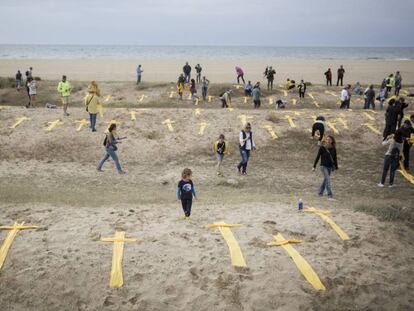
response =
{"points": [[397, 83], [187, 72], [139, 74], [32, 87], [266, 71], [198, 71], [302, 89], [221, 149], [92, 104], [318, 127], [328, 76], [204, 87], [270, 78], [391, 118], [248, 89], [225, 98], [256, 95], [64, 88], [110, 143], [186, 192], [341, 73], [407, 132], [193, 91], [400, 104], [18, 80], [369, 96], [345, 98], [358, 89], [246, 145], [27, 83], [329, 163], [392, 157], [390, 83], [240, 75], [290, 84]]}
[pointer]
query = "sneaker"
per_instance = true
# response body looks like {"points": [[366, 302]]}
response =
{"points": [[391, 186], [381, 185], [94, 130], [331, 199], [99, 170], [238, 170], [244, 173], [66, 114], [122, 172]]}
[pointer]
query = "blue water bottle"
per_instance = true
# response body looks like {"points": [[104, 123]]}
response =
{"points": [[300, 205]]}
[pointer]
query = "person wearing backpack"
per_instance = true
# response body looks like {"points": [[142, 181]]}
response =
{"points": [[246, 145], [329, 163], [392, 156], [110, 143], [92, 105]]}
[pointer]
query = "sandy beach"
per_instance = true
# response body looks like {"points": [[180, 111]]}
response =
{"points": [[218, 71]]}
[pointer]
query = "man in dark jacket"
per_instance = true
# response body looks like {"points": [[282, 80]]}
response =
{"points": [[187, 72], [369, 97], [391, 118], [400, 104], [328, 75], [270, 77], [341, 72], [407, 131]]}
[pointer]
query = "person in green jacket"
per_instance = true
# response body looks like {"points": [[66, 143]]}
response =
{"points": [[64, 89]]}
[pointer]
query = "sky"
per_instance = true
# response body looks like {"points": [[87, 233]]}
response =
{"points": [[208, 22]]}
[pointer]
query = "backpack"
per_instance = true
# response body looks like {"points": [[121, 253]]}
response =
{"points": [[105, 140]]}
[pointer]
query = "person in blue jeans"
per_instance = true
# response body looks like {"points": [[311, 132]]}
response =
{"points": [[110, 143], [329, 163], [246, 145]]}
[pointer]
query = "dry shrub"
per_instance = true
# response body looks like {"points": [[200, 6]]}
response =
{"points": [[273, 117]]}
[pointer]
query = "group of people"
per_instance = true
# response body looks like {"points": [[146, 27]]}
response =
{"points": [[340, 76], [30, 84]]}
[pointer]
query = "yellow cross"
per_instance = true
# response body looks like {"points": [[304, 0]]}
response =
{"points": [[198, 111], [316, 104], [169, 124], [196, 101], [210, 98], [189, 96], [82, 123], [53, 124], [323, 215], [331, 93], [343, 122], [406, 175], [311, 96], [270, 101], [112, 122], [285, 93], [203, 126], [172, 94], [269, 128], [230, 109], [290, 120], [369, 116], [243, 118], [332, 127], [294, 102], [245, 100], [117, 279], [143, 96], [236, 255], [107, 98], [372, 128], [19, 121]]}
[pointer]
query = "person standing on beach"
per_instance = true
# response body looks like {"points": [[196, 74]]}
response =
{"points": [[369, 97], [270, 78], [198, 69], [391, 118], [302, 89], [392, 157], [187, 72], [328, 76], [139, 74], [256, 94], [92, 104], [390, 83], [221, 149], [246, 145], [64, 88], [341, 73], [30, 72], [110, 143], [186, 192], [240, 75], [193, 91], [407, 132], [329, 163], [400, 104], [204, 87], [344, 98], [397, 83], [32, 87], [18, 80], [180, 85]]}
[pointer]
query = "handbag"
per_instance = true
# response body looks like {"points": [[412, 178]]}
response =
{"points": [[87, 104]]}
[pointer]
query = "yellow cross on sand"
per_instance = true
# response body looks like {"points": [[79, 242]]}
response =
{"points": [[270, 101], [323, 215], [285, 93], [237, 86], [4, 249], [297, 113], [303, 266], [331, 93], [189, 96], [19, 121], [281, 86], [406, 175], [311, 96], [169, 124], [236, 255], [332, 127], [142, 97], [198, 111], [117, 279], [81, 123], [108, 98], [372, 128], [316, 104], [197, 101], [290, 120], [343, 122], [368, 116], [243, 118], [269, 128], [172, 94], [245, 100], [210, 98], [313, 117], [294, 102], [230, 109], [203, 126], [53, 124]]}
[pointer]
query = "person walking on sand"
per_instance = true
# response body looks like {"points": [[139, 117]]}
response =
{"points": [[221, 149], [186, 192], [329, 163], [302, 89], [328, 76], [369, 95], [139, 74], [240, 75], [246, 145], [32, 87], [204, 87], [397, 83], [187, 72], [110, 143], [198, 69], [392, 157], [92, 106], [18, 80], [64, 88], [256, 94], [344, 98], [270, 78], [341, 73]]}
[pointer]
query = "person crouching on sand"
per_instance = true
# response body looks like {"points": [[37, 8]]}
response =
{"points": [[329, 163], [186, 191], [220, 148], [318, 126], [93, 105], [110, 142]]}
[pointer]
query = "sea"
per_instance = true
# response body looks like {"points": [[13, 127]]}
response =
{"points": [[8, 51]]}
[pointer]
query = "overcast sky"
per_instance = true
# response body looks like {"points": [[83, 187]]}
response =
{"points": [[209, 22]]}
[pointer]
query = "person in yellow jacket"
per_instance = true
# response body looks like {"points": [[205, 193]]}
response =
{"points": [[220, 147], [93, 106], [64, 88], [390, 82]]}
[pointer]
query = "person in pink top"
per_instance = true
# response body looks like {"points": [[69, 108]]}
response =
{"points": [[240, 74]]}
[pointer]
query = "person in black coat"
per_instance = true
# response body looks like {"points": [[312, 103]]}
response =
{"points": [[391, 118]]}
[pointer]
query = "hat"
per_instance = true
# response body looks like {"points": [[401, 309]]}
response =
{"points": [[407, 122]]}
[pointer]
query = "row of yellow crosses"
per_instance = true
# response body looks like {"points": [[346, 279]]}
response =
{"points": [[236, 255]]}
